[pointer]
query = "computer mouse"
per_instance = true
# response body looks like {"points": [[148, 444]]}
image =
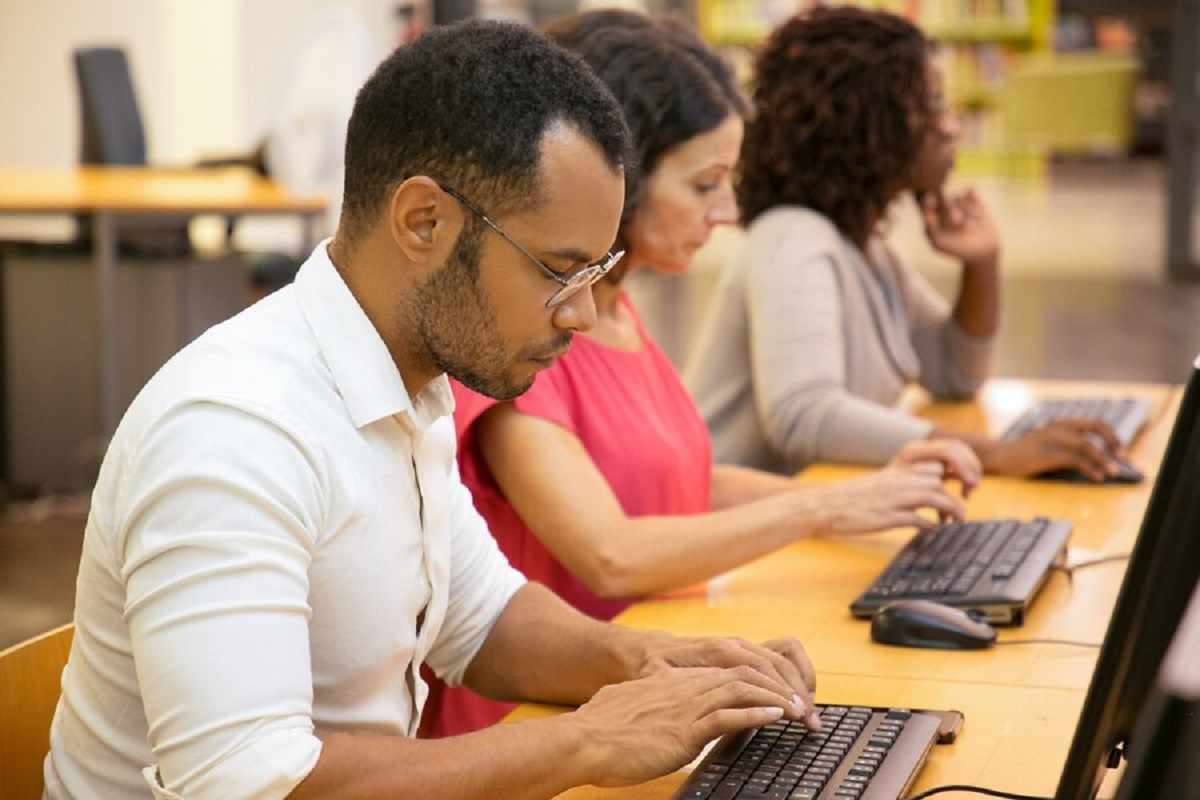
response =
{"points": [[924, 623]]}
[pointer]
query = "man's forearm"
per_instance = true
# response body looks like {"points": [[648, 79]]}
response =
{"points": [[541, 649], [507, 761]]}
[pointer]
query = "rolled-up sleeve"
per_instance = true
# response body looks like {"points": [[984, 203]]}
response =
{"points": [[481, 584], [217, 545]]}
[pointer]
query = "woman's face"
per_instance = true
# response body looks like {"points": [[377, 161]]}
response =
{"points": [[688, 194], [935, 154]]}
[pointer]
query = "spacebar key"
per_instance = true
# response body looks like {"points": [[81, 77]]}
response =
{"points": [[747, 793]]}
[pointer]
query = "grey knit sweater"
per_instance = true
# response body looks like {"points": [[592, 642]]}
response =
{"points": [[808, 346]]}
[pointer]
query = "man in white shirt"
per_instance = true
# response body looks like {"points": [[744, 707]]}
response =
{"points": [[279, 538]]}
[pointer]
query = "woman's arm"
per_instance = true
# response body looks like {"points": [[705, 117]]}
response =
{"points": [[962, 227], [953, 343], [553, 484], [949, 457], [734, 485]]}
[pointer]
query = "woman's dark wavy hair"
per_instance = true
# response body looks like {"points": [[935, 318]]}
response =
{"points": [[840, 111], [669, 83], [468, 104]]}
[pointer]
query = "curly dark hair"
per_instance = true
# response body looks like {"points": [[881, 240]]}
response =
{"points": [[669, 83], [840, 111], [468, 104]]}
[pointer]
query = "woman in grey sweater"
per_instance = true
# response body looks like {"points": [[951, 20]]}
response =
{"points": [[819, 325]]}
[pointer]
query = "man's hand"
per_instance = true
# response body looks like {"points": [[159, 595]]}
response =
{"points": [[782, 661], [693, 690], [648, 727]]}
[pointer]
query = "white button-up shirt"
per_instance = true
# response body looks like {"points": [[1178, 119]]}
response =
{"points": [[278, 539]]}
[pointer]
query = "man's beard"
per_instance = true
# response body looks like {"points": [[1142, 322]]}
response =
{"points": [[459, 331]]}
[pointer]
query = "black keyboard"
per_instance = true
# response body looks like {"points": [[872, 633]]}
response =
{"points": [[863, 753], [992, 566], [1125, 415]]}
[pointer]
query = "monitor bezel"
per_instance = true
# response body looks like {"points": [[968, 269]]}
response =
{"points": [[1164, 567]]}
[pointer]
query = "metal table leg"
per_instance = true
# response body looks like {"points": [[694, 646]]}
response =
{"points": [[104, 244]]}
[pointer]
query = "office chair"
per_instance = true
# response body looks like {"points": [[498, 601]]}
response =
{"points": [[30, 683], [111, 129], [111, 134], [110, 120]]}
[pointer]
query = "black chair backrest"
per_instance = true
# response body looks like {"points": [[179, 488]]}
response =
{"points": [[111, 134], [110, 122]]}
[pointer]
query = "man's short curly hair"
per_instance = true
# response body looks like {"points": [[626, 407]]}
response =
{"points": [[468, 104], [840, 111], [671, 85]]}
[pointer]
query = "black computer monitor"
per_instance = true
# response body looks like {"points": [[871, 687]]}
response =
{"points": [[1166, 740], [1163, 572]]}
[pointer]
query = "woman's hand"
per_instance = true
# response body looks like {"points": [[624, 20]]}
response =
{"points": [[1085, 445], [961, 226], [954, 457], [892, 497]]}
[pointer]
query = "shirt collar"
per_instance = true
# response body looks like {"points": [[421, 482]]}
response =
{"points": [[359, 362]]}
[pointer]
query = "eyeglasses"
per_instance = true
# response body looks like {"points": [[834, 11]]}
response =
{"points": [[569, 285]]}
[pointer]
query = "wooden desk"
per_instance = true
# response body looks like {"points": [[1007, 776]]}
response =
{"points": [[1021, 701], [805, 590], [110, 193], [1106, 521]]}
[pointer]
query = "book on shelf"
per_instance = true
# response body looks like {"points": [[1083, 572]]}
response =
{"points": [[748, 20], [955, 13]]}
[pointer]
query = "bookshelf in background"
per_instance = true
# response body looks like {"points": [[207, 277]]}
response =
{"points": [[983, 42]]}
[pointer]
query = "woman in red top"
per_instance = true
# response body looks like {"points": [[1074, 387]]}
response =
{"points": [[599, 481]]}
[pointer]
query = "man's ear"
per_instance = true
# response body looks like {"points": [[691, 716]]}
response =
{"points": [[423, 220]]}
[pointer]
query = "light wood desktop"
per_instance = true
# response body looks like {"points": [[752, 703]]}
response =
{"points": [[1015, 739], [110, 193], [1021, 701]]}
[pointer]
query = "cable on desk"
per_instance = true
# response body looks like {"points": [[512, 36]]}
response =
{"points": [[975, 790], [1067, 642], [1069, 569]]}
